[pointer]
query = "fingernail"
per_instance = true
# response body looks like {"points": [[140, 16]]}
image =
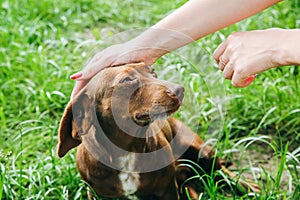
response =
{"points": [[249, 80], [76, 75]]}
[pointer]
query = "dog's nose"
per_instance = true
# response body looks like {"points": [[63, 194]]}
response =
{"points": [[176, 91]]}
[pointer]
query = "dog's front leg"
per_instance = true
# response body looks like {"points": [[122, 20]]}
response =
{"points": [[199, 153], [188, 145], [170, 192]]}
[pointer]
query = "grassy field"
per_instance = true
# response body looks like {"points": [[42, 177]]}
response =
{"points": [[43, 42]]}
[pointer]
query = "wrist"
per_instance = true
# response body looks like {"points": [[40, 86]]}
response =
{"points": [[156, 42], [289, 51], [146, 50]]}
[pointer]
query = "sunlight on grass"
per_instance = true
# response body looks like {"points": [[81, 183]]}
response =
{"points": [[43, 42]]}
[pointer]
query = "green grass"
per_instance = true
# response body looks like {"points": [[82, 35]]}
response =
{"points": [[43, 42]]}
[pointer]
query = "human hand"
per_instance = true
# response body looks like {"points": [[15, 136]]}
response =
{"points": [[112, 56], [243, 55], [146, 48]]}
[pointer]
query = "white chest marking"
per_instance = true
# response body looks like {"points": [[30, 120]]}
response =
{"points": [[130, 180]]}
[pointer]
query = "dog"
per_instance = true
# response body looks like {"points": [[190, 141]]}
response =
{"points": [[128, 145]]}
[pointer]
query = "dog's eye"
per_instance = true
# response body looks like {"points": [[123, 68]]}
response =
{"points": [[153, 73], [126, 79]]}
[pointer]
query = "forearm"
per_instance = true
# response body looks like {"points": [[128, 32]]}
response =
{"points": [[288, 52], [196, 19]]}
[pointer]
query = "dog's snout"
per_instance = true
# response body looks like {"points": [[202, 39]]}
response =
{"points": [[176, 92]]}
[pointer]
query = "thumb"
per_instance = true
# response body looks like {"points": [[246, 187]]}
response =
{"points": [[87, 73], [90, 69], [78, 86], [239, 82], [249, 80]]}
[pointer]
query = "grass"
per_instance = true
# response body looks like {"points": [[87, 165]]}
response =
{"points": [[43, 42]]}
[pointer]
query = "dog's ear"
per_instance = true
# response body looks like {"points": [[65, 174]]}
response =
{"points": [[76, 120]]}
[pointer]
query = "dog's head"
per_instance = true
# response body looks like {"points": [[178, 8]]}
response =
{"points": [[119, 97]]}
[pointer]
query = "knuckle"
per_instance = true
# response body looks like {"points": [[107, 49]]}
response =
{"points": [[216, 56], [239, 72], [235, 63], [230, 49], [234, 35]]}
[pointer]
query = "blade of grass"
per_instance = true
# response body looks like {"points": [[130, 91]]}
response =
{"points": [[281, 166], [2, 178], [262, 121]]}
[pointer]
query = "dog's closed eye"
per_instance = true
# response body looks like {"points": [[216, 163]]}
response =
{"points": [[153, 72], [126, 79]]}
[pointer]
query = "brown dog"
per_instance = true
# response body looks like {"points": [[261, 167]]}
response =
{"points": [[128, 147]]}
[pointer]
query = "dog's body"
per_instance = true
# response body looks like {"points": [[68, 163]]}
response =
{"points": [[128, 147]]}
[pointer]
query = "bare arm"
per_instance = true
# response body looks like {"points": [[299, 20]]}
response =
{"points": [[198, 18], [192, 21], [243, 55]]}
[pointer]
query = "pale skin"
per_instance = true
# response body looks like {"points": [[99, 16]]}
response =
{"points": [[192, 21], [243, 55]]}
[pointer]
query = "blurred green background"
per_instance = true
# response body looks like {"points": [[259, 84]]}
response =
{"points": [[43, 42]]}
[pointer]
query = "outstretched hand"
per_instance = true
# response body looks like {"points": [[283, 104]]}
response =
{"points": [[112, 56], [243, 55]]}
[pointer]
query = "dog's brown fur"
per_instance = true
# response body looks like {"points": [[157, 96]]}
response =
{"points": [[125, 105]]}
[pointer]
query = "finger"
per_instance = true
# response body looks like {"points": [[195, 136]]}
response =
{"points": [[76, 76], [228, 71], [219, 51], [78, 86], [223, 62], [238, 81], [88, 72], [249, 80], [93, 66]]}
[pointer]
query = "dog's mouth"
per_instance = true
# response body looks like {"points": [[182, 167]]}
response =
{"points": [[148, 117]]}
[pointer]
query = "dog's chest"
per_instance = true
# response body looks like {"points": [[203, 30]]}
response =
{"points": [[130, 180]]}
